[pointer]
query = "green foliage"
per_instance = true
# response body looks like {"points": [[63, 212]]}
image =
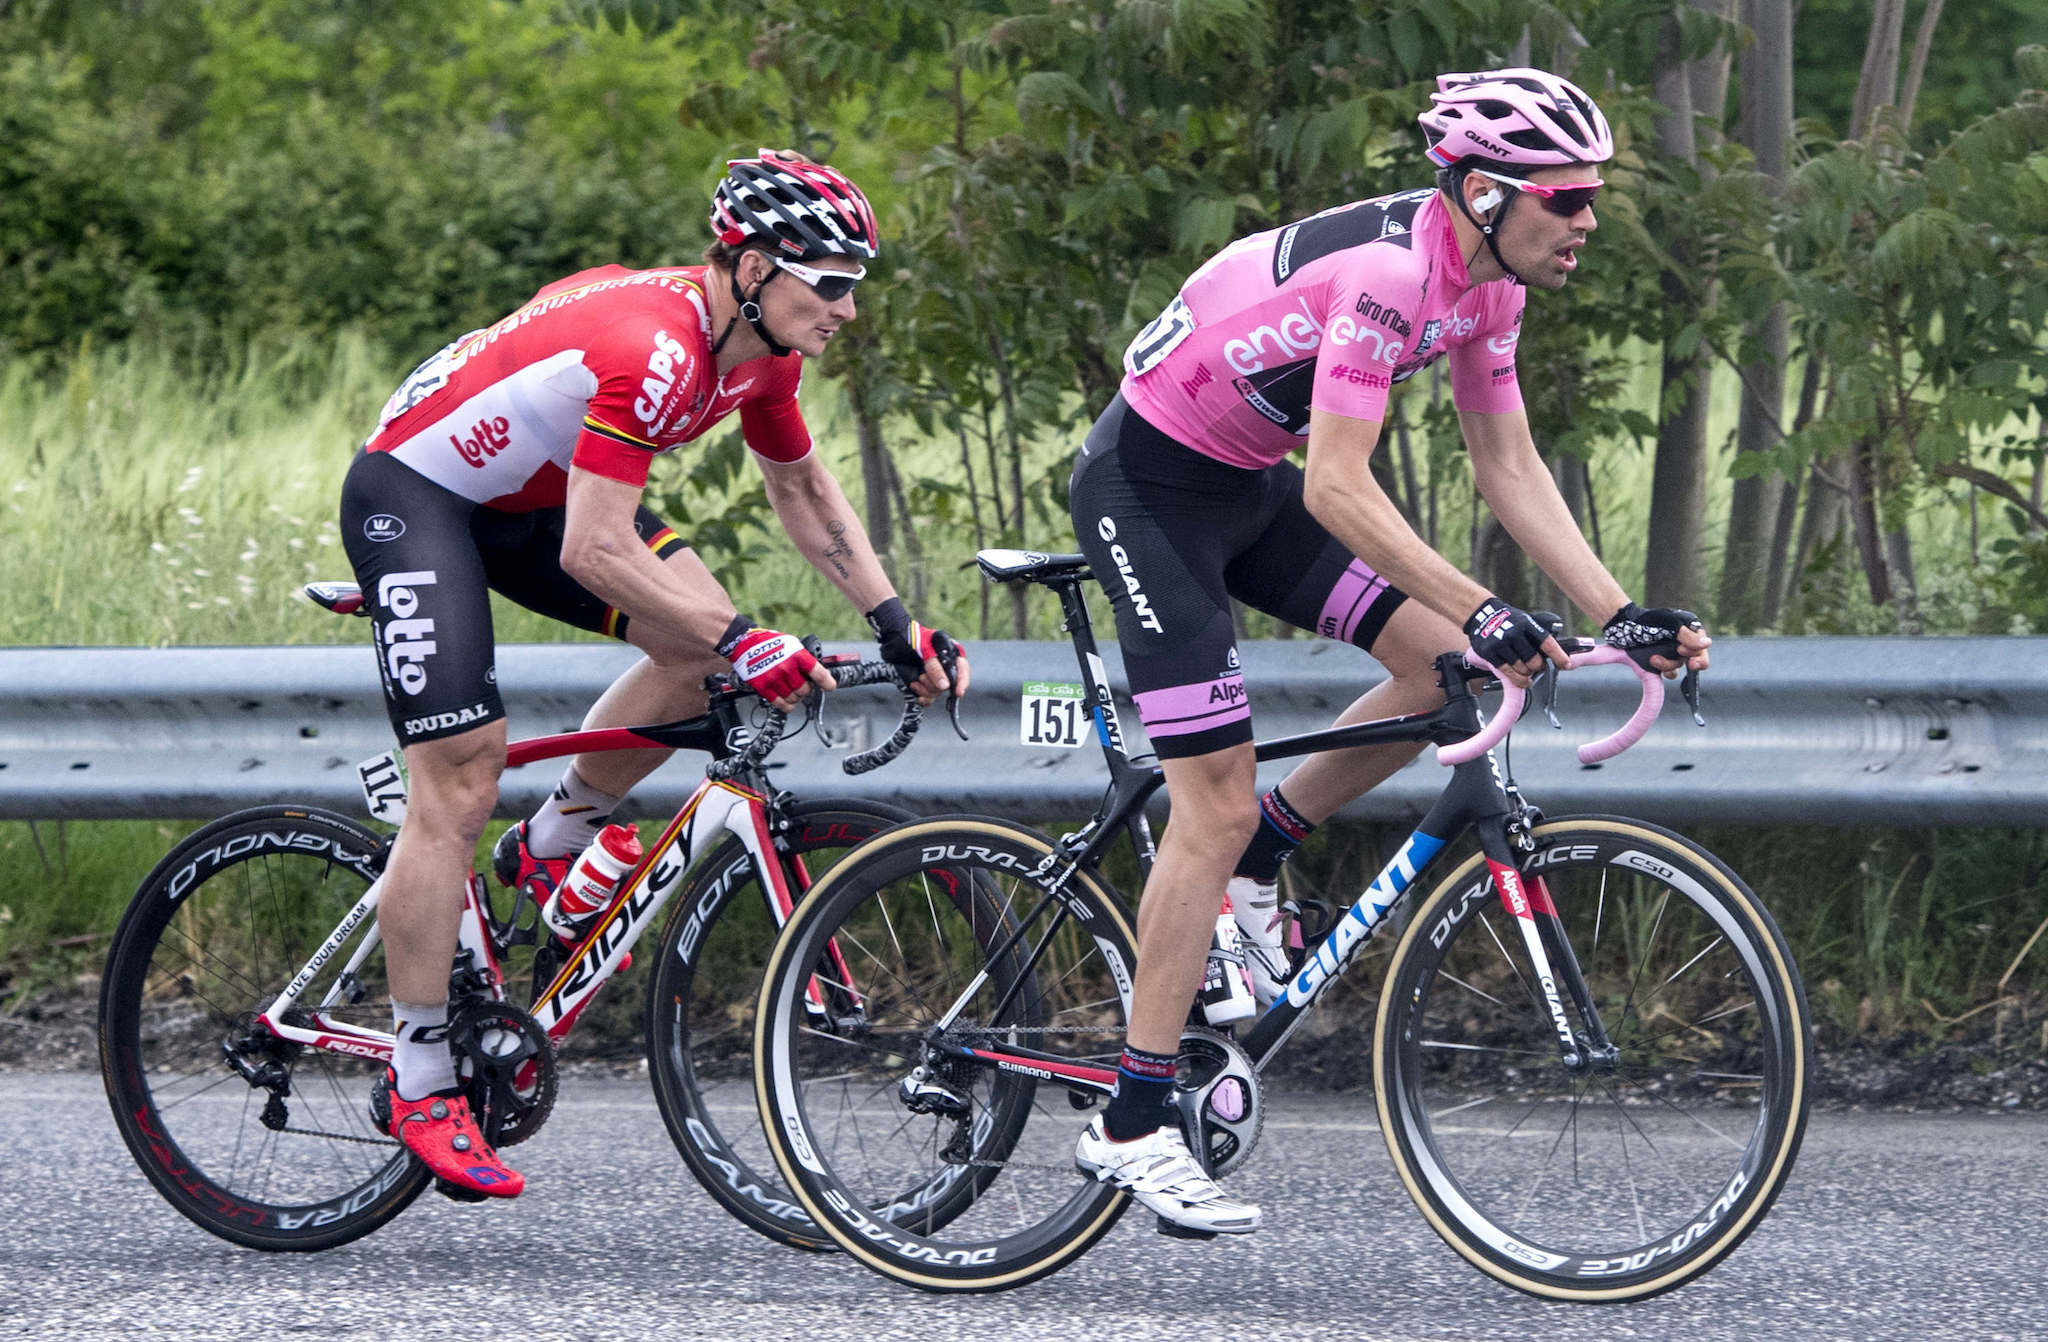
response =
{"points": [[410, 171], [211, 179]]}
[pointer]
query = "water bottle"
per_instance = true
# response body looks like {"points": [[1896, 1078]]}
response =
{"points": [[1226, 984], [592, 882]]}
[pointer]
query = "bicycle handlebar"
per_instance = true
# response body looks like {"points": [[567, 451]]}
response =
{"points": [[849, 675], [881, 673], [1513, 699]]}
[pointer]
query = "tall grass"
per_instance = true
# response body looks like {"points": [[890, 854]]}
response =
{"points": [[147, 507]]}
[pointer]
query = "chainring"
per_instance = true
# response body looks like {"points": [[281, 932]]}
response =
{"points": [[506, 1063], [1216, 1089]]}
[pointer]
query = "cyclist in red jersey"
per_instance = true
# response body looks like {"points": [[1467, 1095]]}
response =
{"points": [[1183, 490], [514, 460]]}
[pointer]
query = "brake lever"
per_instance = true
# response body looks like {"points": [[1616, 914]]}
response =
{"points": [[814, 703], [949, 661], [1553, 625], [1548, 675], [1689, 686]]}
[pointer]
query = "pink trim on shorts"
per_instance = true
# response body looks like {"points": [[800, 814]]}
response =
{"points": [[1180, 709], [1356, 589]]}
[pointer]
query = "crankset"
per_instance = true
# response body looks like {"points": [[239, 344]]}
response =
{"points": [[507, 1066], [1216, 1090]]}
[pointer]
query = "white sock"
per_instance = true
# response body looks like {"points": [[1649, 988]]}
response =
{"points": [[421, 1059], [570, 818]]}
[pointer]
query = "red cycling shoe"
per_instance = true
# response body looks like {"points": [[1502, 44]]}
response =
{"points": [[439, 1130]]}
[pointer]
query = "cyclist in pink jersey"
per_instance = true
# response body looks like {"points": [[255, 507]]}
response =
{"points": [[514, 460], [1183, 498]]}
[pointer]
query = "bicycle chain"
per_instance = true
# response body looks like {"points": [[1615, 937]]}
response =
{"points": [[338, 1136]]}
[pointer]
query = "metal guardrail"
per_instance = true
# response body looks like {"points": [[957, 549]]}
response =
{"points": [[1816, 731]]}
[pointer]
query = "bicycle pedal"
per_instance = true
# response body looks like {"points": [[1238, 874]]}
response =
{"points": [[457, 1193], [1175, 1231]]}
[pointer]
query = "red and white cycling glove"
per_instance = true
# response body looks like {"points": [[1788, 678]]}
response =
{"points": [[905, 643], [771, 664]]}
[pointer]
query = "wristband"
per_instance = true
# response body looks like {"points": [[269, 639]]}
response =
{"points": [[890, 618], [729, 641]]}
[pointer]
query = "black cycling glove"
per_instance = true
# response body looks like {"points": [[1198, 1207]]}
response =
{"points": [[905, 643], [1644, 634], [1503, 634]]}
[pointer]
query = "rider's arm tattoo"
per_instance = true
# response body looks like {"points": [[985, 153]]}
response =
{"points": [[839, 550]]}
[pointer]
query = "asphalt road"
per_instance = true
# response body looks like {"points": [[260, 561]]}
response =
{"points": [[1892, 1226]]}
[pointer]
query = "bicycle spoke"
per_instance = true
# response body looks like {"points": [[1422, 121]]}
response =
{"points": [[1486, 1048], [1476, 992], [1509, 961], [1649, 945], [1688, 1115], [1628, 1168]]}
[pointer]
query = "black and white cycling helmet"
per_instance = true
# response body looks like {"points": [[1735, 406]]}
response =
{"points": [[806, 209]]}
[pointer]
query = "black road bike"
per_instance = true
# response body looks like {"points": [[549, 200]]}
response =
{"points": [[1590, 1054]]}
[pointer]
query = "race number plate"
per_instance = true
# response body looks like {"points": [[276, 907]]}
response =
{"points": [[1053, 714], [383, 780]]}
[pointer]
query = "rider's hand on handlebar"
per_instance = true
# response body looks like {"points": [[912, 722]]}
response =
{"points": [[776, 666], [1511, 642], [1659, 639], [915, 652]]}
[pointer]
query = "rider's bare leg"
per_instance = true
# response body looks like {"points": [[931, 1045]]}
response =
{"points": [[666, 684], [1215, 809], [1413, 637], [453, 787]]}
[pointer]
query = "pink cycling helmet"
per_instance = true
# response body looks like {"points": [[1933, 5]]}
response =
{"points": [[1514, 118]]}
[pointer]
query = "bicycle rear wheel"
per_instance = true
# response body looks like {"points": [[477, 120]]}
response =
{"points": [[897, 1128], [262, 1142], [1610, 1179], [700, 1010]]}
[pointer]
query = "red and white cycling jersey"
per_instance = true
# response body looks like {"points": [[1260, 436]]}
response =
{"points": [[601, 370], [1327, 313]]}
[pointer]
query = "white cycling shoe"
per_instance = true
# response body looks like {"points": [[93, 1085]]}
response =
{"points": [[1256, 907], [1160, 1172]]}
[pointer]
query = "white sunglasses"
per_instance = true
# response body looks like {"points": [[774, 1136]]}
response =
{"points": [[830, 285]]}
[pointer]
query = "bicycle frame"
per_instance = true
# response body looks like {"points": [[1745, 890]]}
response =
{"points": [[717, 805], [1477, 798]]}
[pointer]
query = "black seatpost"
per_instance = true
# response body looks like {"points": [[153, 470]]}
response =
{"points": [[1123, 774]]}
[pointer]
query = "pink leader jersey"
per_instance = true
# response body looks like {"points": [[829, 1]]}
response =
{"points": [[1329, 312]]}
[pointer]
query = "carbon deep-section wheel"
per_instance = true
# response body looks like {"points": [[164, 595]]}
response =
{"points": [[980, 978], [700, 1008], [266, 1143], [1583, 1173]]}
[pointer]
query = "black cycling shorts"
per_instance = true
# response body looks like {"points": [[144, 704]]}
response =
{"points": [[1172, 535], [427, 559]]}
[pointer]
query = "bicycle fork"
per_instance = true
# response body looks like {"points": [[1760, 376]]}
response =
{"points": [[1551, 958]]}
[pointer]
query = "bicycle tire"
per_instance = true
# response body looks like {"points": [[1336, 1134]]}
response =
{"points": [[213, 935], [700, 1012], [882, 1176], [1577, 1183]]}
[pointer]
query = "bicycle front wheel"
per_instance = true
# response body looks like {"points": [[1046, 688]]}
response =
{"points": [[700, 1009], [263, 1142], [919, 1102], [1612, 1175]]}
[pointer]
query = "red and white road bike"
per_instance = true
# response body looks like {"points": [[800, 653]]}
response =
{"points": [[245, 1014]]}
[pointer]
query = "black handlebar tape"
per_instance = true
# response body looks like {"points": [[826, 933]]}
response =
{"points": [[869, 760]]}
